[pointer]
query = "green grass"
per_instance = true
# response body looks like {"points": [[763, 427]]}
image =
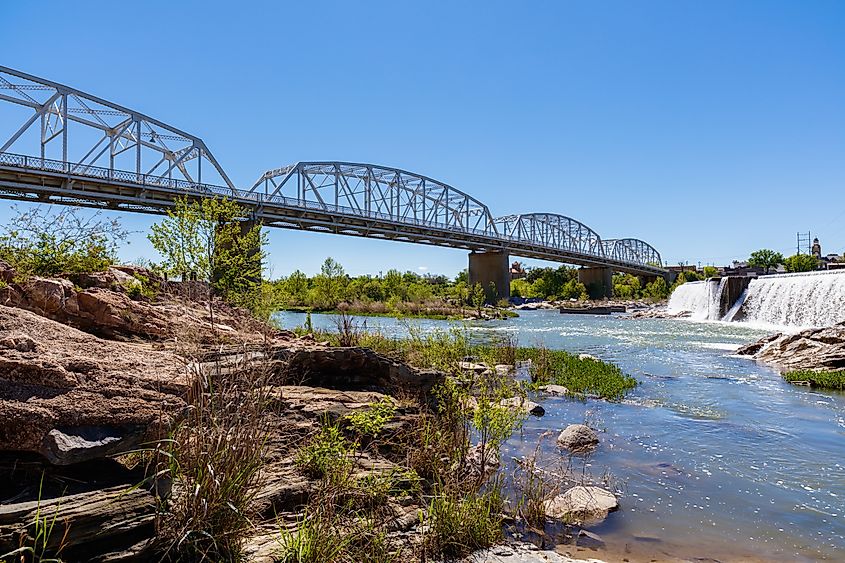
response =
{"points": [[328, 452], [370, 422], [458, 525], [821, 379], [579, 375]]}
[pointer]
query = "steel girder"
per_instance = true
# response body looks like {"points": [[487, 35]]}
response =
{"points": [[84, 131], [379, 192], [553, 231], [632, 250]]}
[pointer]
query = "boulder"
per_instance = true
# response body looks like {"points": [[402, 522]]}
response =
{"points": [[71, 396], [523, 404], [577, 437], [551, 389], [581, 504], [353, 368], [816, 348], [474, 367]]}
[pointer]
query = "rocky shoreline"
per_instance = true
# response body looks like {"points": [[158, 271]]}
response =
{"points": [[813, 349], [93, 376]]}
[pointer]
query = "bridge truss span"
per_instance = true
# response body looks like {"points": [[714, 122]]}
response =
{"points": [[59, 144], [55, 122], [376, 191]]}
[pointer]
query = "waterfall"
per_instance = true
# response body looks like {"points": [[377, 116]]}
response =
{"points": [[809, 299], [699, 298]]}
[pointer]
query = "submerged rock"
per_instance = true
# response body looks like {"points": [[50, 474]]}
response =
{"points": [[577, 437], [581, 504]]}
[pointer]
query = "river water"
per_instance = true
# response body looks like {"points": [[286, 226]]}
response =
{"points": [[713, 455]]}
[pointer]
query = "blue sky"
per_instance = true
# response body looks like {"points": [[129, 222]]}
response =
{"points": [[709, 129]]}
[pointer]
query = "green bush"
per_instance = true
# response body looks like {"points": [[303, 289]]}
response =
{"points": [[327, 453], [370, 422]]}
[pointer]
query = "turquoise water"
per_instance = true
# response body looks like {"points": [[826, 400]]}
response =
{"points": [[713, 455]]}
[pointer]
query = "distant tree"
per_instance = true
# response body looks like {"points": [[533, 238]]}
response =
{"points": [[297, 287], [765, 258], [657, 289], [711, 271], [801, 263], [329, 284]]}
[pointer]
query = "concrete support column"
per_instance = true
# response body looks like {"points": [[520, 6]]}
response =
{"points": [[599, 281], [489, 268]]}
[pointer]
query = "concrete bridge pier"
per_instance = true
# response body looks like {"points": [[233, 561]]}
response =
{"points": [[491, 267], [599, 281]]}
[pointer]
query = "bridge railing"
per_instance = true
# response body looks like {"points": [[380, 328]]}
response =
{"points": [[252, 198]]}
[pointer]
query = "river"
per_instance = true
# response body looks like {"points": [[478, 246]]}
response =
{"points": [[714, 455]]}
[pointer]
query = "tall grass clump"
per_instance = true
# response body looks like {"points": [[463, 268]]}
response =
{"points": [[326, 453], [457, 525], [214, 457], [579, 375], [821, 379], [41, 542]]}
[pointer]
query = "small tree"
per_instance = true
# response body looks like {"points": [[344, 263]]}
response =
{"points": [[212, 239], [477, 297], [801, 263], [711, 271], [765, 258]]}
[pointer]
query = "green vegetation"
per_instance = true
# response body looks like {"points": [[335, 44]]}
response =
{"points": [[578, 374], [765, 258], [394, 293], [460, 524], [821, 379], [371, 422], [328, 452], [550, 283], [801, 263], [213, 239], [46, 242], [710, 271]]}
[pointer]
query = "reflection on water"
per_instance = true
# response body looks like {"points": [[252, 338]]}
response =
{"points": [[714, 455]]}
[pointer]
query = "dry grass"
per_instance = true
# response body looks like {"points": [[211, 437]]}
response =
{"points": [[214, 458]]}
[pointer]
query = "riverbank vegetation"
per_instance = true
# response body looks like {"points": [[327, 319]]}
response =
{"points": [[556, 284], [821, 379]]}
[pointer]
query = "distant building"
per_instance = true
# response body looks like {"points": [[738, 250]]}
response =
{"points": [[817, 249], [517, 271]]}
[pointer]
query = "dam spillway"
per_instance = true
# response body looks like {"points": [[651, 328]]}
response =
{"points": [[807, 299]]}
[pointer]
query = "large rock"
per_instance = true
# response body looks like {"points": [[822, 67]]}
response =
{"points": [[817, 348], [523, 404], [578, 437], [352, 368], [581, 504], [71, 396]]}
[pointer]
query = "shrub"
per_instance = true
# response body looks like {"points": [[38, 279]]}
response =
{"points": [[327, 453], [371, 421]]}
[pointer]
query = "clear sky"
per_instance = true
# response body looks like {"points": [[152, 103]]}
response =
{"points": [[709, 129]]}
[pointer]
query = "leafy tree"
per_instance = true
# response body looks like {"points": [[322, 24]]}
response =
{"points": [[212, 239], [801, 263], [297, 287], [657, 289], [45, 242], [711, 271], [477, 297], [329, 285], [765, 258]]}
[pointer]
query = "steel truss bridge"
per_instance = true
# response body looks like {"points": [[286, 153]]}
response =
{"points": [[66, 146]]}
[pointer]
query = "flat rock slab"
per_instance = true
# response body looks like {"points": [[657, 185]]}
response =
{"points": [[581, 504], [557, 390], [71, 396]]}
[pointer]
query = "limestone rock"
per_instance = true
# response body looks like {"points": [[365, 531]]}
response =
{"points": [[816, 348], [474, 367], [577, 437], [582, 504], [558, 390], [524, 404]]}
